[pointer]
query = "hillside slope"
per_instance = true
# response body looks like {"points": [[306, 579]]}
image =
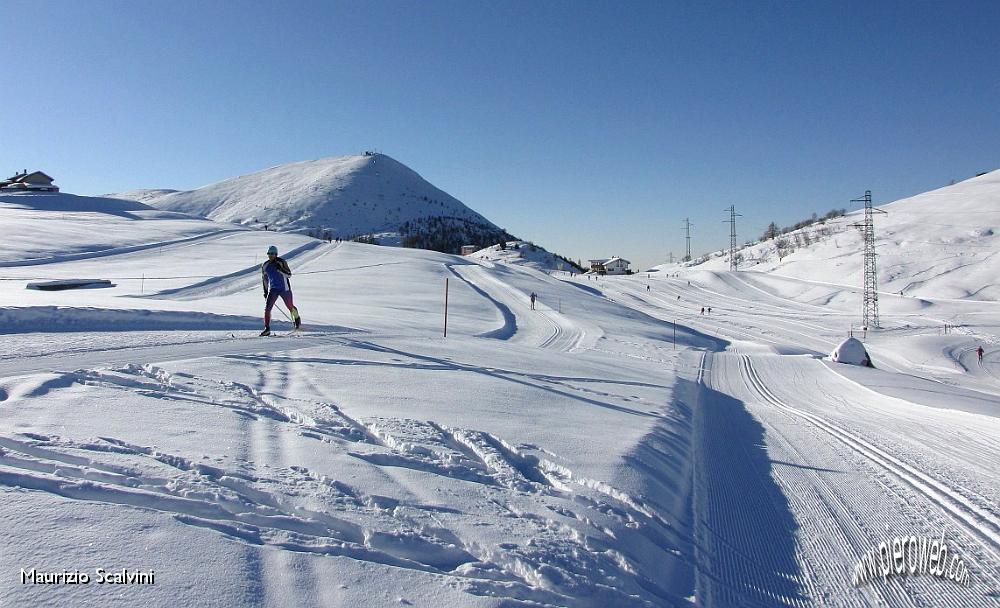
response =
{"points": [[939, 244], [521, 253], [45, 227]]}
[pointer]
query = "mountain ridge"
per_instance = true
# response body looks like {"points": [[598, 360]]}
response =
{"points": [[336, 197]]}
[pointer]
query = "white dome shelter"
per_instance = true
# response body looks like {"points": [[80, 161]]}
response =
{"points": [[851, 351]]}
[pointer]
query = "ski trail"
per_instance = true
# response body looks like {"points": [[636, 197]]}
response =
{"points": [[241, 280], [221, 344], [742, 319], [170, 244], [543, 327], [509, 326], [744, 529], [977, 521], [845, 492]]}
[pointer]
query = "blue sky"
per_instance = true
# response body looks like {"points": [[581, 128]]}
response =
{"points": [[592, 128]]}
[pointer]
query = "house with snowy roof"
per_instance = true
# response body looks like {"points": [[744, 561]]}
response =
{"points": [[36, 181], [613, 265]]}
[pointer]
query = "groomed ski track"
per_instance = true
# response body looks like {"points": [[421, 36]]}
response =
{"points": [[543, 327], [835, 488]]}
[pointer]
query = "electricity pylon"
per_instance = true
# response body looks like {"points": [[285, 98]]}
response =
{"points": [[687, 231], [869, 307], [733, 265]]}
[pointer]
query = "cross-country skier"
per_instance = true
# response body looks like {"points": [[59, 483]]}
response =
{"points": [[275, 273], [533, 296], [979, 351]]}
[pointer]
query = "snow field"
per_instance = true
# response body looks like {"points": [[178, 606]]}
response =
{"points": [[612, 447]]}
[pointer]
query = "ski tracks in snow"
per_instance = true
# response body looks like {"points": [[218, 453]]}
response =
{"points": [[245, 279], [977, 521], [563, 529], [543, 327], [833, 494]]}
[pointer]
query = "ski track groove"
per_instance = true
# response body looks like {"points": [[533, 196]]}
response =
{"points": [[836, 522], [114, 251], [244, 279], [559, 333], [868, 517], [836, 518], [777, 318], [735, 508], [979, 523]]}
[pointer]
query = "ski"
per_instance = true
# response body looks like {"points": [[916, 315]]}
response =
{"points": [[290, 332]]}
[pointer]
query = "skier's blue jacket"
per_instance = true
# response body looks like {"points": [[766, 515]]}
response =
{"points": [[275, 274]]}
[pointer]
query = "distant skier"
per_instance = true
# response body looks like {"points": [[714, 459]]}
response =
{"points": [[647, 287], [709, 310], [533, 296], [702, 310], [275, 273], [979, 351]]}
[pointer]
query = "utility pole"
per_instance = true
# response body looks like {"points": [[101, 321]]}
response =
{"points": [[687, 232], [733, 265], [869, 308]]}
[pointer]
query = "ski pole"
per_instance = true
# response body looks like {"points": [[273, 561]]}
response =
{"points": [[282, 309]]}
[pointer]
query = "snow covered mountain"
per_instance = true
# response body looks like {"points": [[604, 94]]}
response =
{"points": [[343, 197], [522, 253], [939, 244]]}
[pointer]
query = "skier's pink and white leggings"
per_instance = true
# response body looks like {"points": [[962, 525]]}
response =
{"points": [[272, 297]]}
